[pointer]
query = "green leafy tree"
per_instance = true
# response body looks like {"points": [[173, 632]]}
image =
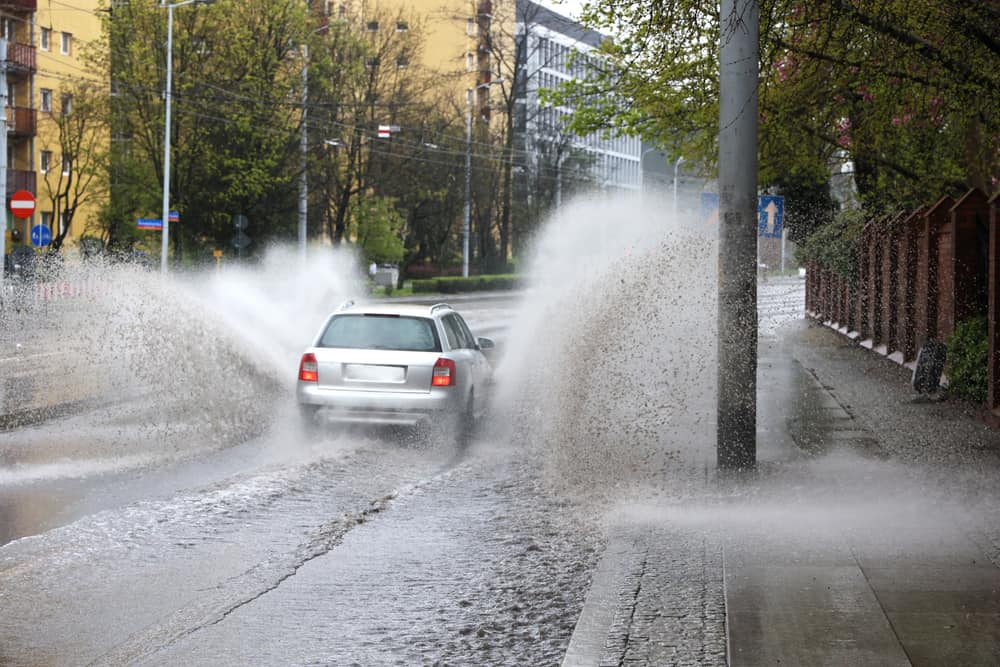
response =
{"points": [[379, 230], [906, 92], [236, 69]]}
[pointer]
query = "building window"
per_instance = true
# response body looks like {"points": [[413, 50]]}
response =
{"points": [[45, 162], [46, 96], [371, 63], [46, 219], [8, 29], [67, 104], [45, 39], [470, 27], [373, 26], [402, 62], [67, 44], [66, 165], [470, 62], [402, 26]]}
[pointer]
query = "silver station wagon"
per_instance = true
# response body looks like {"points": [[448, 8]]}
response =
{"points": [[395, 364]]}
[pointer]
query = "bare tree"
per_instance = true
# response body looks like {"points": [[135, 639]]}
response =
{"points": [[78, 157]]}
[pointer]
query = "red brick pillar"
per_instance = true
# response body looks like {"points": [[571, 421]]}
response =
{"points": [[890, 290], [827, 302], [993, 397], [861, 292], [841, 302], [875, 280], [906, 280], [835, 297], [928, 274], [970, 224], [851, 303], [811, 277]]}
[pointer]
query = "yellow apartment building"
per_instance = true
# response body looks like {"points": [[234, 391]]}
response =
{"points": [[45, 41], [459, 38]]}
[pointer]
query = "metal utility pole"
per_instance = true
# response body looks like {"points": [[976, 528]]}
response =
{"points": [[165, 245], [168, 95], [737, 345], [677, 166], [3, 160], [467, 213], [304, 155]]}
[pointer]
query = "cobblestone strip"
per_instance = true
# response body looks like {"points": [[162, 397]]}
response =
{"points": [[680, 611], [594, 630], [620, 634], [669, 605]]}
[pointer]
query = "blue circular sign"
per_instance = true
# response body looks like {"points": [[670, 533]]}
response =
{"points": [[41, 235]]}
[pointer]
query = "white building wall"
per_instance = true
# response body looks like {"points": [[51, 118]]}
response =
{"points": [[616, 163]]}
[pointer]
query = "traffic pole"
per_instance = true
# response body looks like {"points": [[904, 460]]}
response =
{"points": [[304, 157], [3, 160], [467, 211], [736, 408]]}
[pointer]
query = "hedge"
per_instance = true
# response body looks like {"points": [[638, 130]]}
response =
{"points": [[454, 285], [968, 357]]}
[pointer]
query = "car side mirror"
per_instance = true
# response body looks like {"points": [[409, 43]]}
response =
{"points": [[486, 343]]}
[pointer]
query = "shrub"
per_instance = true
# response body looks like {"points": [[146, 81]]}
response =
{"points": [[834, 246], [456, 285], [968, 350]]}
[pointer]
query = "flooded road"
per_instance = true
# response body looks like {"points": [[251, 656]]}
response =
{"points": [[136, 533], [165, 507]]}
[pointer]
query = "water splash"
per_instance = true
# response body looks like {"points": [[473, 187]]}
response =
{"points": [[610, 367], [173, 366]]}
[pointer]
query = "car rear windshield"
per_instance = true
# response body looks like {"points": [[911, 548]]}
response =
{"points": [[381, 332]]}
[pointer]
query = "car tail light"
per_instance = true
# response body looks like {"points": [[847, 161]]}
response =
{"points": [[444, 373], [308, 368]]}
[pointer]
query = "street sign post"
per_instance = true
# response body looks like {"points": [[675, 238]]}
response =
{"points": [[770, 216], [41, 236], [770, 213], [22, 204], [157, 223]]}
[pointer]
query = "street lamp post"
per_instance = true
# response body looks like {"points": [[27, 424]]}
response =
{"points": [[677, 165], [467, 210], [304, 156], [166, 122], [467, 214]]}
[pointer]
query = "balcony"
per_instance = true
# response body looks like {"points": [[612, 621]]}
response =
{"points": [[21, 58], [18, 179], [19, 5], [21, 121]]}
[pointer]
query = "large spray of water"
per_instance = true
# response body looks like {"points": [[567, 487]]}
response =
{"points": [[610, 367], [177, 364]]}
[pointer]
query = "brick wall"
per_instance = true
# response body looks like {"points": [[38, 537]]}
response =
{"points": [[993, 258], [919, 274]]}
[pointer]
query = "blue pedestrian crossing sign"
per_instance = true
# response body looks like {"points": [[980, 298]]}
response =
{"points": [[770, 213], [41, 236], [770, 216]]}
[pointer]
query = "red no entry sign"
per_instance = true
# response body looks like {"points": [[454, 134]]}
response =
{"points": [[22, 204]]}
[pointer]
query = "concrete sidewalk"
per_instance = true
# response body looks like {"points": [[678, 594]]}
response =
{"points": [[869, 535]]}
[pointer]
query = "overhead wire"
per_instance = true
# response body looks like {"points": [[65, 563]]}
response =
{"points": [[475, 145]]}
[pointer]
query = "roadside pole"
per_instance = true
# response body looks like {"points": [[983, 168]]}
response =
{"points": [[736, 409], [3, 160], [304, 156]]}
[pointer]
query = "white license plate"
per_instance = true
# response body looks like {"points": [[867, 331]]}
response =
{"points": [[370, 373]]}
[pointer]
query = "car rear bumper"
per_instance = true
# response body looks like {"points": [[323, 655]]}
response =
{"points": [[381, 408]]}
